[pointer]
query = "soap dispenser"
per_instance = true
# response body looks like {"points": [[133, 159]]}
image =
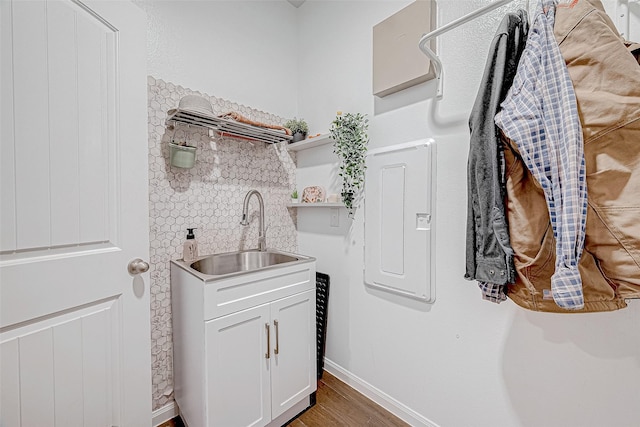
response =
{"points": [[190, 248]]}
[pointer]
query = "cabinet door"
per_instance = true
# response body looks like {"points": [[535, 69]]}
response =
{"points": [[293, 365], [237, 380]]}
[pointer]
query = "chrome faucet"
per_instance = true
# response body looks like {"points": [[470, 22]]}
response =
{"points": [[262, 238]]}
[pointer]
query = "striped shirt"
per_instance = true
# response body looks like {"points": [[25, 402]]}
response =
{"points": [[540, 114]]}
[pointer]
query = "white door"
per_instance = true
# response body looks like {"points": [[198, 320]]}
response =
{"points": [[238, 351], [293, 365], [74, 324]]}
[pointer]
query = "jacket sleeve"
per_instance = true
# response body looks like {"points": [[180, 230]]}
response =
{"points": [[489, 257]]}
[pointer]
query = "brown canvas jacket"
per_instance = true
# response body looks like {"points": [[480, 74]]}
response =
{"points": [[606, 79]]}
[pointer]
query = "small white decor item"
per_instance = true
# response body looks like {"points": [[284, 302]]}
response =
{"points": [[313, 194], [197, 104], [294, 196]]}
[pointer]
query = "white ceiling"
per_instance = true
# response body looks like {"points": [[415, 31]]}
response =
{"points": [[296, 3]]}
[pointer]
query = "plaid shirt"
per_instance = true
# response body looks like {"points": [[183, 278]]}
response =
{"points": [[493, 292], [540, 114]]}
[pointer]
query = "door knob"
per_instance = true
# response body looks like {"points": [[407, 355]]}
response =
{"points": [[137, 266]]}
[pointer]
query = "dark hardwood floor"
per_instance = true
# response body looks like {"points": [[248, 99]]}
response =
{"points": [[176, 422], [337, 404]]}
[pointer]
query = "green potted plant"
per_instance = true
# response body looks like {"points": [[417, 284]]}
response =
{"points": [[294, 196], [298, 128], [350, 139]]}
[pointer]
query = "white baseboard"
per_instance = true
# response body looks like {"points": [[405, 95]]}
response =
{"points": [[164, 414], [408, 415], [398, 409]]}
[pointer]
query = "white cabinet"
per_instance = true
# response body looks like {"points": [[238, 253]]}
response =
{"points": [[253, 365], [238, 374], [263, 358], [293, 360]]}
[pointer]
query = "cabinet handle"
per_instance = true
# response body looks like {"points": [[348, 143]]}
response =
{"points": [[267, 354], [276, 350]]}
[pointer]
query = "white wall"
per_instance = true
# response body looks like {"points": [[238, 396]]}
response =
{"points": [[208, 197], [241, 56], [461, 361], [242, 51]]}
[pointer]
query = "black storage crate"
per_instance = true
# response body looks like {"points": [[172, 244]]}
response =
{"points": [[322, 302]]}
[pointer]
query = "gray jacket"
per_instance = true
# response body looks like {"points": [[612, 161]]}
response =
{"points": [[489, 253]]}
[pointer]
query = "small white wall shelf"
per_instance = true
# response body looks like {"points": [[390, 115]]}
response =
{"points": [[310, 142], [315, 205]]}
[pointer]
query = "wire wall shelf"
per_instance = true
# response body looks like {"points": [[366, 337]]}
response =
{"points": [[226, 127]]}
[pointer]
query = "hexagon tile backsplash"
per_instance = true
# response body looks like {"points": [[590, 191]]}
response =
{"points": [[208, 197]]}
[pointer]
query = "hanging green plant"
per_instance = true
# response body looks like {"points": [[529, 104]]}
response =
{"points": [[349, 133]]}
